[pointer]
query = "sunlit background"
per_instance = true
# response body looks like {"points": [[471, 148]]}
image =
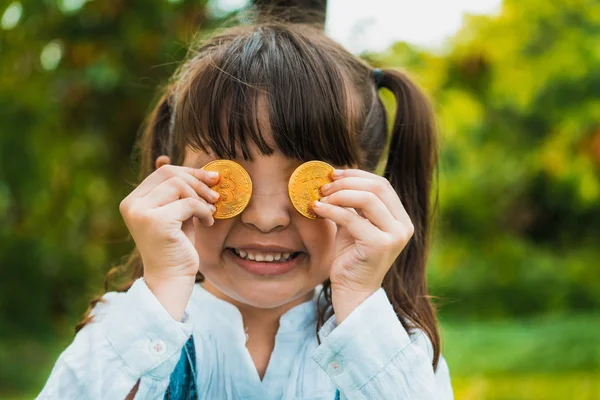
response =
{"points": [[515, 84]]}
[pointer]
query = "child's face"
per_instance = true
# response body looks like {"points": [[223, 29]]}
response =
{"points": [[268, 226]]}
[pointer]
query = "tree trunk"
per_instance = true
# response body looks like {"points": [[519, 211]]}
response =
{"points": [[306, 11]]}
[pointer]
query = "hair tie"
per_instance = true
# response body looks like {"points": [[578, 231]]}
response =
{"points": [[378, 77]]}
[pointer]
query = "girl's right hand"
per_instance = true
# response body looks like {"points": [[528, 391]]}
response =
{"points": [[159, 212]]}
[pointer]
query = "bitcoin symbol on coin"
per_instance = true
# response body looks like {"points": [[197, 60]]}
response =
{"points": [[311, 187], [305, 184], [234, 188], [226, 187]]}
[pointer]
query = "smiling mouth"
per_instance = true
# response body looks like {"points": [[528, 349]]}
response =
{"points": [[266, 263], [265, 256]]}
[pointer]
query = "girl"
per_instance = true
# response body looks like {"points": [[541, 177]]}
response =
{"points": [[270, 304]]}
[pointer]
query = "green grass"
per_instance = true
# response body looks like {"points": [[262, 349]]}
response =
{"points": [[540, 358], [572, 386], [537, 345]]}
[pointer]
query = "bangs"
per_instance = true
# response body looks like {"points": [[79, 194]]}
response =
{"points": [[266, 88]]}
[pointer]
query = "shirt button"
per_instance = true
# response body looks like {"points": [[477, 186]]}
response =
{"points": [[335, 368], [157, 347]]}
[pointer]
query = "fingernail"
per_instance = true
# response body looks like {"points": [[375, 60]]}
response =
{"points": [[337, 172], [214, 195], [323, 199], [325, 187], [212, 174], [316, 203], [212, 208]]}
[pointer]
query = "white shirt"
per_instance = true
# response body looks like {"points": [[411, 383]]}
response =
{"points": [[368, 356]]}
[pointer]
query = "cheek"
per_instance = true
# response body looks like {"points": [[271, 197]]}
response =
{"points": [[209, 240], [319, 238]]}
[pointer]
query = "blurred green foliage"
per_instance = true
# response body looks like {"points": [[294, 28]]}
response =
{"points": [[518, 233], [67, 139], [516, 96], [76, 79]]}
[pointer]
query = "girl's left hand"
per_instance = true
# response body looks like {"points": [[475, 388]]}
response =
{"points": [[373, 228]]}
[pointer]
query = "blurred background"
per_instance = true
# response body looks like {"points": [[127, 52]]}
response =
{"points": [[516, 87]]}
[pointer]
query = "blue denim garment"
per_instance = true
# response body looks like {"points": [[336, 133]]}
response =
{"points": [[182, 383]]}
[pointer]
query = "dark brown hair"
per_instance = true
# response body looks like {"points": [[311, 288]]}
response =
{"points": [[322, 103]]}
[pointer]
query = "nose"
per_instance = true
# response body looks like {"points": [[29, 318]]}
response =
{"points": [[267, 212]]}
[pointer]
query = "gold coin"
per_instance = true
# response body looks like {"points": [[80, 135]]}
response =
{"points": [[304, 186], [234, 188]]}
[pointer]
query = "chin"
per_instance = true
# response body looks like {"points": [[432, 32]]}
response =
{"points": [[259, 293], [269, 294]]}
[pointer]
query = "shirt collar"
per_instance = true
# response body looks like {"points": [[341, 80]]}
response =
{"points": [[205, 304]]}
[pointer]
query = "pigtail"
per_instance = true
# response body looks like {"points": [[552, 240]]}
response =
{"points": [[411, 163], [155, 134], [152, 143]]}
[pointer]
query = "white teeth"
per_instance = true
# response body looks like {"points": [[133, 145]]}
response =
{"points": [[263, 257]]}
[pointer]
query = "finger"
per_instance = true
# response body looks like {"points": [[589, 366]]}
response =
{"points": [[185, 183], [172, 189], [368, 203], [378, 185], [184, 209], [384, 191], [190, 175], [357, 226]]}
